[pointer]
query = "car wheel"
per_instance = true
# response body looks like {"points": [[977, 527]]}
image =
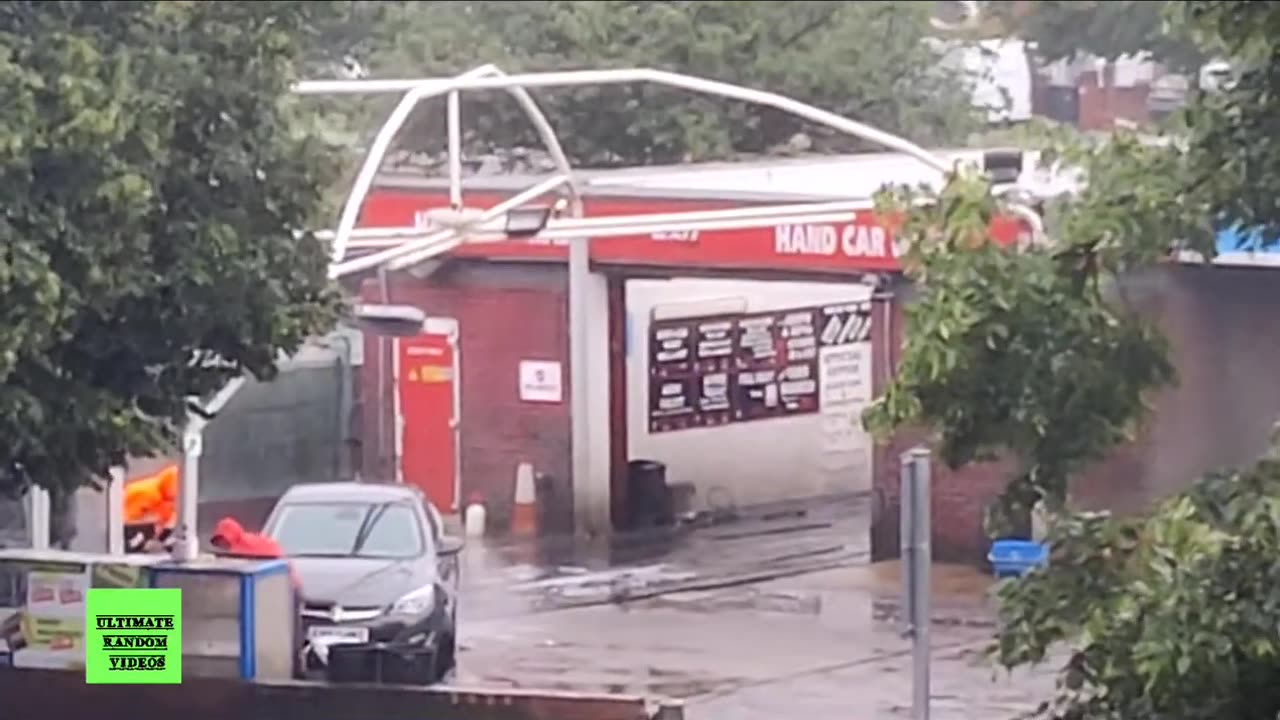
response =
{"points": [[445, 660]]}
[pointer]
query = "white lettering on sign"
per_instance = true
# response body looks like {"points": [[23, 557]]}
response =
{"points": [[689, 236], [858, 241]]}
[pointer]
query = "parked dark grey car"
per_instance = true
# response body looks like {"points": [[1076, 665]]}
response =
{"points": [[378, 581]]}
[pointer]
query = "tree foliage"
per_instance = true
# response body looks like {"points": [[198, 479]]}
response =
{"points": [[1064, 29], [1168, 616], [865, 60], [1035, 354], [1001, 366], [156, 188]]}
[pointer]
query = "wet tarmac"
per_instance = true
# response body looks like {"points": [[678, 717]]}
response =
{"points": [[764, 619]]}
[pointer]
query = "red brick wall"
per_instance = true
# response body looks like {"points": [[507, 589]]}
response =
{"points": [[1101, 106], [1226, 345], [959, 497], [505, 313]]}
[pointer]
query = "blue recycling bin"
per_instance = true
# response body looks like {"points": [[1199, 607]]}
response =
{"points": [[1014, 558]]}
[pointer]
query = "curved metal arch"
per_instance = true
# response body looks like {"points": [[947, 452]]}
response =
{"points": [[489, 78], [415, 94]]}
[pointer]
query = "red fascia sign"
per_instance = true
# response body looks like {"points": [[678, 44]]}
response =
{"points": [[862, 244]]}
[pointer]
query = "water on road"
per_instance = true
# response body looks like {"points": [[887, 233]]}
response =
{"points": [[773, 620]]}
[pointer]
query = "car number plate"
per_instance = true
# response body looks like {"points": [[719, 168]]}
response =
{"points": [[338, 635]]}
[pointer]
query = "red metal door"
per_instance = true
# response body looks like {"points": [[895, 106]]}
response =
{"points": [[426, 378]]}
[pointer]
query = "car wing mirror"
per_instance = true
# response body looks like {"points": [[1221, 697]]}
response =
{"points": [[450, 545]]}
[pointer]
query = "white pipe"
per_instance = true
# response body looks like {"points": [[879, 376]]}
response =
{"points": [[431, 244], [789, 214], [455, 149], [397, 119], [633, 225], [187, 541], [39, 511], [373, 161], [115, 512], [435, 86], [429, 87]]}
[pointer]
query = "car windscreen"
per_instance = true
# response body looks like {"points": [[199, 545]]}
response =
{"points": [[348, 529]]}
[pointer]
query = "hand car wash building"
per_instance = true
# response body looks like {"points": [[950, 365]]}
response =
{"points": [[741, 359]]}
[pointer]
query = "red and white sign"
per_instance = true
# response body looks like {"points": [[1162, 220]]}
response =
{"points": [[861, 244]]}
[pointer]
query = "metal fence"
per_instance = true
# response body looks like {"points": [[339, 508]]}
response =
{"points": [[281, 433]]}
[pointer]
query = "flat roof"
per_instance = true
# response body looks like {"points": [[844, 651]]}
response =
{"points": [[810, 178]]}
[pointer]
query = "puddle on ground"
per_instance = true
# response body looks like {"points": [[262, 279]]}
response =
{"points": [[748, 599]]}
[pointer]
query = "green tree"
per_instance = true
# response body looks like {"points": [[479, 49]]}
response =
{"points": [[1064, 29], [865, 60], [157, 192], [1173, 614]]}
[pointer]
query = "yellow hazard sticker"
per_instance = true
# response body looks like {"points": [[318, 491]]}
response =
{"points": [[430, 374]]}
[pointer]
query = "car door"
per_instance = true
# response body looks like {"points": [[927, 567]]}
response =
{"points": [[448, 549]]}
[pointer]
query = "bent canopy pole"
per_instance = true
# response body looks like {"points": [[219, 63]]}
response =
{"points": [[387, 133], [417, 90], [430, 244]]}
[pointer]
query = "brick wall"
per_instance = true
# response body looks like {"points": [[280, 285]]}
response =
{"points": [[1101, 105], [1226, 345], [505, 313]]}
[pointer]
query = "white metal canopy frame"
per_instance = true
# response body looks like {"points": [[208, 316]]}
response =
{"points": [[398, 248]]}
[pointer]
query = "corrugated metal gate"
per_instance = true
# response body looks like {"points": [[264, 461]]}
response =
{"points": [[276, 434]]}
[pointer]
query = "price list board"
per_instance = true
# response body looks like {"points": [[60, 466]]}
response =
{"points": [[777, 365], [690, 367], [709, 371]]}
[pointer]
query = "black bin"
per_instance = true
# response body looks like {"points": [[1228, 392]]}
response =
{"points": [[649, 501]]}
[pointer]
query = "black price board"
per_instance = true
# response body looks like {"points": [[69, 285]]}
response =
{"points": [[672, 404], [844, 324], [714, 344], [777, 365], [711, 371], [671, 348]]}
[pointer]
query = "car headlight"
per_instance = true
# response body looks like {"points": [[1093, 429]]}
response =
{"points": [[418, 602]]}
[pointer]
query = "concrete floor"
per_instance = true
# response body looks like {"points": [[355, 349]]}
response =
{"points": [[807, 645]]}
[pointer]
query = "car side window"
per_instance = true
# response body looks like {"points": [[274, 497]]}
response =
{"points": [[433, 519]]}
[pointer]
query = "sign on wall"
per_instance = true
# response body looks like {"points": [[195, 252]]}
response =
{"points": [[861, 243], [710, 371], [541, 381]]}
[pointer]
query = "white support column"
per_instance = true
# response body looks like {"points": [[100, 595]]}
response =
{"points": [[187, 540], [589, 393], [114, 493], [38, 517]]}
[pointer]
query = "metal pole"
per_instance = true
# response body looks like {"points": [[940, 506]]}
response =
{"points": [[579, 356], [187, 543], [455, 149], [38, 512], [186, 534], [382, 143], [115, 512], [916, 562], [432, 243]]}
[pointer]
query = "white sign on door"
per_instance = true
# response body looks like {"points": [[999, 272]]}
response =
{"points": [[540, 381]]}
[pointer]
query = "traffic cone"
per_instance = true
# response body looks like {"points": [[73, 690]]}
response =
{"points": [[524, 515]]}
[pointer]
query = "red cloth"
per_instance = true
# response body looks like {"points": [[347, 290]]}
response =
{"points": [[242, 543]]}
